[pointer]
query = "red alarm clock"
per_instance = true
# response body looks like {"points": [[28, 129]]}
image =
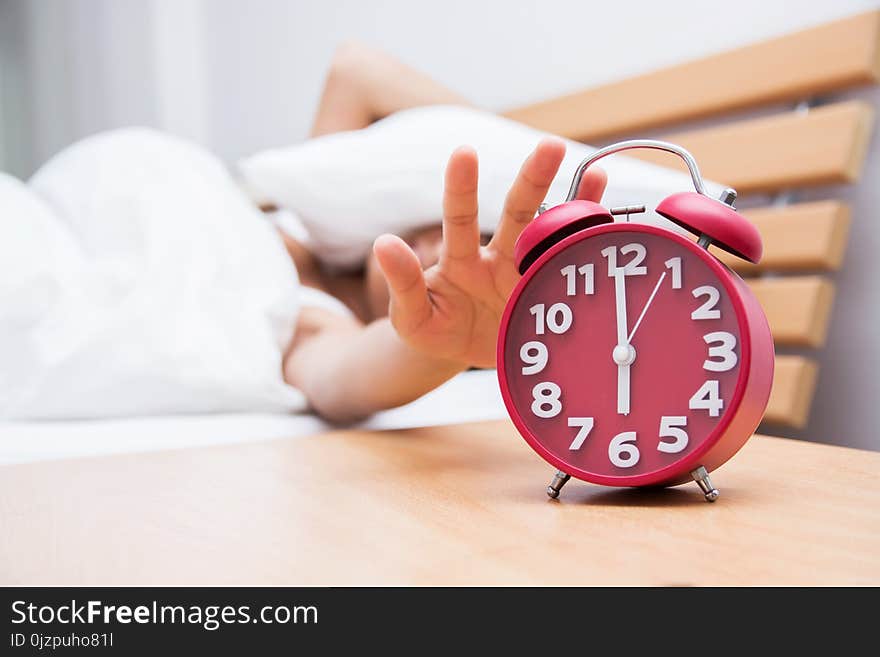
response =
{"points": [[628, 355]]}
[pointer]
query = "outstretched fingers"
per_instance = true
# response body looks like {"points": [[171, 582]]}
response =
{"points": [[410, 304], [527, 192], [461, 230], [592, 185]]}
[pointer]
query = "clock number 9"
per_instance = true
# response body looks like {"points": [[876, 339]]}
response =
{"points": [[558, 318], [545, 400], [534, 355]]}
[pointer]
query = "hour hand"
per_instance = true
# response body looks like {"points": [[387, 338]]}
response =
{"points": [[623, 355], [623, 389]]}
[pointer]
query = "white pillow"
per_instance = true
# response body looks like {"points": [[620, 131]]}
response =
{"points": [[136, 278], [347, 188]]}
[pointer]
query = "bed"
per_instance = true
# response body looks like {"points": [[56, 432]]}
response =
{"points": [[275, 499], [470, 397]]}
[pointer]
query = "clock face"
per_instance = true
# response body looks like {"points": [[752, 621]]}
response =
{"points": [[621, 355]]}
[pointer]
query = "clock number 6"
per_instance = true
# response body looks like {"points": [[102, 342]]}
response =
{"points": [[621, 451]]}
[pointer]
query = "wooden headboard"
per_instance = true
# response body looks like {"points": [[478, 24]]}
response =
{"points": [[803, 138]]}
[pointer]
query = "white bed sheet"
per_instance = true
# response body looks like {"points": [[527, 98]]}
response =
{"points": [[469, 397]]}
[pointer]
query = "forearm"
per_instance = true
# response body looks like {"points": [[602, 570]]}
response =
{"points": [[364, 85], [350, 374]]}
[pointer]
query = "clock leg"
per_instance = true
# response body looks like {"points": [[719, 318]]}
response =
{"points": [[559, 480], [702, 478]]}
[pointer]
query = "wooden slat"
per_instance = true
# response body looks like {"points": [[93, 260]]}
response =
{"points": [[826, 145], [796, 237], [794, 382], [797, 307], [815, 61]]}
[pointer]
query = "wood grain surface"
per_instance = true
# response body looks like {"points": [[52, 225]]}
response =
{"points": [[797, 307], [826, 145], [447, 505], [809, 63], [794, 383], [802, 236]]}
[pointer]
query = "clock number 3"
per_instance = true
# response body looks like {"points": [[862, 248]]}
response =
{"points": [[725, 351]]}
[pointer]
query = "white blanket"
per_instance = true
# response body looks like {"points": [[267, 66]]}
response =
{"points": [[135, 278], [469, 397]]}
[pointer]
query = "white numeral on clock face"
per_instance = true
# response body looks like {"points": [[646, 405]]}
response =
{"points": [[570, 272], [707, 398], [708, 309], [622, 452], [586, 426], [534, 355], [634, 267], [557, 318], [545, 396], [724, 351], [674, 265], [671, 427]]}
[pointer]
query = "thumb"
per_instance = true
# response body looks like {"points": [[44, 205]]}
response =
{"points": [[410, 305]]}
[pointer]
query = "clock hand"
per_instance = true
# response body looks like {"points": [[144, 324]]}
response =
{"points": [[620, 306], [623, 389], [645, 309], [622, 354]]}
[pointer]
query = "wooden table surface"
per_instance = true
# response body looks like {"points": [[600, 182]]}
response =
{"points": [[447, 505]]}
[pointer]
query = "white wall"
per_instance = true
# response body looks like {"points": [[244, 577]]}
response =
{"points": [[240, 75], [268, 61]]}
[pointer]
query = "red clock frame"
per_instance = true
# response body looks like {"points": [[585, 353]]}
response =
{"points": [[747, 404]]}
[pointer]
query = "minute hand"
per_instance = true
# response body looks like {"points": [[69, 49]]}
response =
{"points": [[620, 306], [645, 309]]}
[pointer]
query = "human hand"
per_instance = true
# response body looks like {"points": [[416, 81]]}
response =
{"points": [[453, 309]]}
